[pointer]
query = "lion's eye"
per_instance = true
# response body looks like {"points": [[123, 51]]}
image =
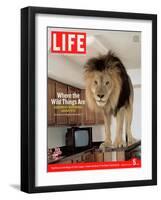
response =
{"points": [[107, 82], [95, 82]]}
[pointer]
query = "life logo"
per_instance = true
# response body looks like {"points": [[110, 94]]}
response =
{"points": [[68, 42]]}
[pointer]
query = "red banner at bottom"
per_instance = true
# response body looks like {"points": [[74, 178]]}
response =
{"points": [[133, 163]]}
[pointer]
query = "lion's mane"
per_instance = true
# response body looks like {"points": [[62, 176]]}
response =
{"points": [[121, 82]]}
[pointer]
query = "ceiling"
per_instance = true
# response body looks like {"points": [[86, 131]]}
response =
{"points": [[126, 45], [69, 68]]}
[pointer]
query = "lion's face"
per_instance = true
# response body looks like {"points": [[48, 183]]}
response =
{"points": [[104, 77], [101, 87]]}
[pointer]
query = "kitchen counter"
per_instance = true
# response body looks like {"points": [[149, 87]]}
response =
{"points": [[95, 154], [70, 156]]}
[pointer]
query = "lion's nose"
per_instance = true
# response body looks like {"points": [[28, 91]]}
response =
{"points": [[100, 95]]}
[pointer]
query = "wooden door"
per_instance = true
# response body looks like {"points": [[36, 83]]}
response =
{"points": [[80, 109], [88, 157], [61, 113], [99, 117], [77, 159], [88, 115], [72, 109], [51, 94]]}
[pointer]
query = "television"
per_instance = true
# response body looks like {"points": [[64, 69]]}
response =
{"points": [[79, 139]]}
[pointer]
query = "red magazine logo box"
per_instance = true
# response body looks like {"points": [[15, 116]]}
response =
{"points": [[68, 42]]}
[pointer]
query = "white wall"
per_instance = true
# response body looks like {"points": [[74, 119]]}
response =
{"points": [[136, 122], [56, 136]]}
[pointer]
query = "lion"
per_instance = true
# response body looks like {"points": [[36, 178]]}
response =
{"points": [[109, 90]]}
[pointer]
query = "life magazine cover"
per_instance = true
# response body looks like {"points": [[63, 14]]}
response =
{"points": [[94, 99]]}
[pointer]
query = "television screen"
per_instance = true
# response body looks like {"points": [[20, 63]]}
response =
{"points": [[81, 138]]}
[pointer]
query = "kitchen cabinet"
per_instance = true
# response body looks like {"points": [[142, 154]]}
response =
{"points": [[61, 114], [88, 157], [97, 155], [64, 114], [79, 109], [73, 111], [88, 115], [51, 95], [76, 158], [99, 117], [84, 156], [65, 161]]}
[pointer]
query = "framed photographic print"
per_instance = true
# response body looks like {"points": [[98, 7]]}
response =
{"points": [[88, 99]]}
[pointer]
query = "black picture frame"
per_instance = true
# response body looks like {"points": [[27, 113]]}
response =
{"points": [[28, 98]]}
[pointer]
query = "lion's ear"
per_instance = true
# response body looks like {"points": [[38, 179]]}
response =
{"points": [[88, 75], [87, 67], [114, 68], [114, 64], [90, 64]]}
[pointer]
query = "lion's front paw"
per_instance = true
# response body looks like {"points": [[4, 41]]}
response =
{"points": [[131, 140], [106, 144], [119, 143]]}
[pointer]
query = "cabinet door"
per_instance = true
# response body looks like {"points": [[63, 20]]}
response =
{"points": [[61, 113], [77, 159], [65, 161], [80, 107], [51, 95], [72, 109], [88, 157], [88, 115], [98, 157], [99, 118]]}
